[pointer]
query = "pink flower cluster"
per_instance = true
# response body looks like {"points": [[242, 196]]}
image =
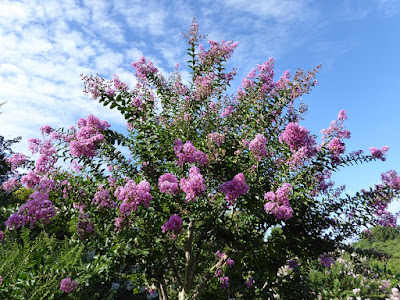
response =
{"points": [[297, 137], [174, 225], [133, 195], [87, 137], [31, 179], [204, 85], [46, 129], [379, 153], [2, 235], [16, 160], [336, 129], [224, 281], [216, 138], [193, 186], [235, 188], [217, 52], [168, 183], [266, 75], [102, 198], [391, 179], [227, 111], [67, 285], [336, 147], [144, 68], [47, 158], [118, 84], [10, 185], [188, 153], [258, 147], [37, 208], [326, 260], [278, 203]]}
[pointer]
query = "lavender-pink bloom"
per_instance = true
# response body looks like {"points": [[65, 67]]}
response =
{"points": [[224, 282], [174, 224], [193, 186], [296, 137], [336, 147], [10, 185], [16, 160], [258, 147], [188, 153], [102, 198], [235, 188], [168, 183], [379, 153], [67, 285]]}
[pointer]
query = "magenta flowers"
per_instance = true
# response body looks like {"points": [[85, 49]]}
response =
{"points": [[278, 203], [67, 285]]}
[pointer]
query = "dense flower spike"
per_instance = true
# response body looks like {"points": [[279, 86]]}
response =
{"points": [[193, 186], [16, 160], [86, 139], [102, 198], [297, 137], [10, 185], [133, 195], [258, 147], [168, 183], [188, 153], [379, 153], [37, 209], [278, 203], [173, 225], [67, 285], [235, 188]]}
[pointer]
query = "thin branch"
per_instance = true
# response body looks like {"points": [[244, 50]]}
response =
{"points": [[211, 272]]}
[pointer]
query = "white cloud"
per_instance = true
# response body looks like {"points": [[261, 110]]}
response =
{"points": [[280, 10]]}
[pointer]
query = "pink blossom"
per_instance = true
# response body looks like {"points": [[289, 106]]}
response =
{"points": [[188, 153], [224, 282], [67, 285], [85, 226], [326, 260], [249, 282], [133, 195], [336, 147], [168, 183], [235, 188], [193, 186], [37, 209], [102, 198], [379, 153], [46, 129], [216, 138], [278, 202], [174, 224], [85, 141], [10, 185], [109, 92], [296, 137], [2, 235], [258, 147], [16, 160]]}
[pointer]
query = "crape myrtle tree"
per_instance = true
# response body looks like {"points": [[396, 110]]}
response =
{"points": [[217, 191]]}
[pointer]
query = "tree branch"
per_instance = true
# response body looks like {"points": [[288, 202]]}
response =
{"points": [[211, 272]]}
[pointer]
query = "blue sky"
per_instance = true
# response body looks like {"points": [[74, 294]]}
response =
{"points": [[46, 45]]}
